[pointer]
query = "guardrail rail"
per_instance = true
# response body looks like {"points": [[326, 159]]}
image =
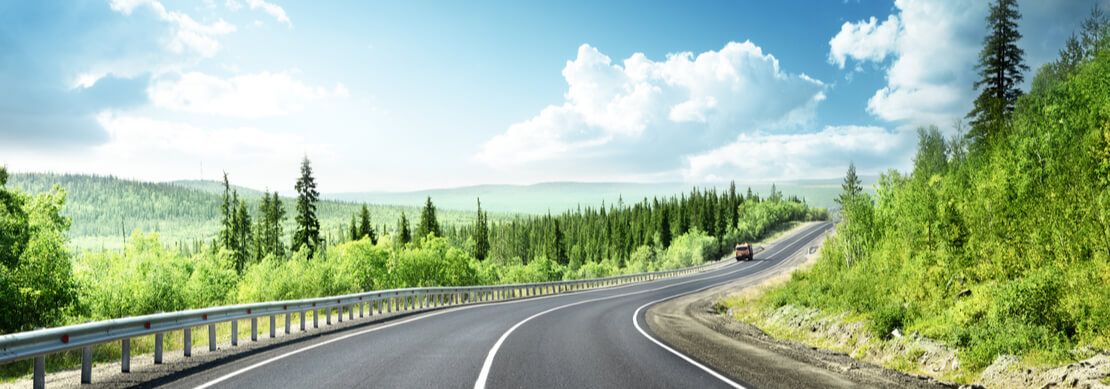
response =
{"points": [[38, 344]]}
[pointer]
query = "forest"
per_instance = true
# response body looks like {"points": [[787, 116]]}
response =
{"points": [[998, 240], [274, 248], [105, 210]]}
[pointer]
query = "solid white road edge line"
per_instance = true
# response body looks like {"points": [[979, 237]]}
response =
{"points": [[636, 323], [483, 375], [424, 316]]}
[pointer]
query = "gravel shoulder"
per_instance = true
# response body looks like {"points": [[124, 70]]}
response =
{"points": [[692, 324]]}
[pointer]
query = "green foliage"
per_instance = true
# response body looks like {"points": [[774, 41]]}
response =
{"points": [[36, 283], [1005, 250]]}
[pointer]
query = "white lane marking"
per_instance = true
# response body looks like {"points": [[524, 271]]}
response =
{"points": [[636, 323], [483, 375], [449, 310]]}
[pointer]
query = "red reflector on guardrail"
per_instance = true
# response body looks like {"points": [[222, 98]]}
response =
{"points": [[65, 338], [248, 311], [146, 325], [204, 317]]}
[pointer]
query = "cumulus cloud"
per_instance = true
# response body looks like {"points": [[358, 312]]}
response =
{"points": [[189, 34], [802, 155], [864, 41], [651, 113], [935, 45], [248, 95]]}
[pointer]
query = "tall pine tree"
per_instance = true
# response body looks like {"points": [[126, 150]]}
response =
{"points": [[404, 235], [307, 234], [481, 234], [364, 227], [428, 223], [1001, 66], [851, 187]]}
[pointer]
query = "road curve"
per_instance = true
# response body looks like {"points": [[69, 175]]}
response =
{"points": [[589, 339]]}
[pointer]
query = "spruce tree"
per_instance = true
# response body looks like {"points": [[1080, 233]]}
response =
{"points": [[352, 229], [1001, 65], [481, 234], [227, 226], [364, 227], [428, 223], [307, 234], [403, 233], [243, 237], [851, 187], [664, 229]]}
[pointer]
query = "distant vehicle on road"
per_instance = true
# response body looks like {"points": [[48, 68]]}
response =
{"points": [[744, 252]]}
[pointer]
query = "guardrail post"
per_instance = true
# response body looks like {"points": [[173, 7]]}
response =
{"points": [[86, 365], [273, 325], [327, 314], [361, 310], [350, 312], [288, 318], [303, 314], [339, 310], [40, 372], [315, 318], [235, 332], [212, 337], [254, 329], [187, 342], [125, 355], [158, 348]]}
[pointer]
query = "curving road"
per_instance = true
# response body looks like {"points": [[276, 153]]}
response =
{"points": [[590, 339]]}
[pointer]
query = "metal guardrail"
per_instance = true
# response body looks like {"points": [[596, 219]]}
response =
{"points": [[38, 344]]}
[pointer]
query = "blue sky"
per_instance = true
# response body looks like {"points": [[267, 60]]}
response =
{"points": [[407, 95]]}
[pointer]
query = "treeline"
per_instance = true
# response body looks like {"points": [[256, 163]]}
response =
{"points": [[270, 251], [997, 242], [615, 232], [104, 210]]}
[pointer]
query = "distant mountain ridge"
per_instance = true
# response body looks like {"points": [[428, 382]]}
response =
{"points": [[561, 196]]}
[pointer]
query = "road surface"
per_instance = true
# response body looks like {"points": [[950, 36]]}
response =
{"points": [[590, 339]]}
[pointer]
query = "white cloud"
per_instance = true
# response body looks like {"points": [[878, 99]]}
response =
{"points": [[935, 45], [864, 41], [273, 10], [188, 35], [249, 95], [647, 112], [804, 155]]}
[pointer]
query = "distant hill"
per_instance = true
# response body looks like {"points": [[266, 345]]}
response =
{"points": [[560, 196], [106, 209]]}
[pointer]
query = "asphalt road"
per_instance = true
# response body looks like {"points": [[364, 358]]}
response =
{"points": [[591, 339]]}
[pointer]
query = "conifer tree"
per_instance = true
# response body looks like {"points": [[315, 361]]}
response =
{"points": [[403, 233], [1001, 65], [227, 226], [364, 227], [851, 187], [307, 234], [664, 229], [481, 234], [242, 233], [428, 223]]}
